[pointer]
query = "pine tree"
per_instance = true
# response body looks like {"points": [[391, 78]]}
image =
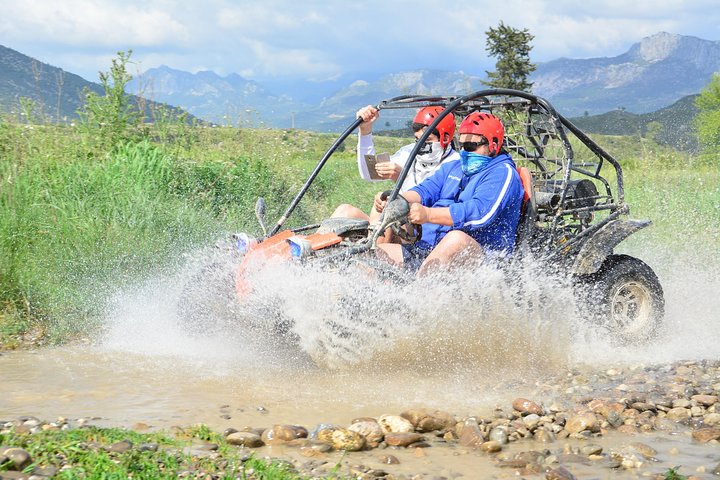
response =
{"points": [[512, 49]]}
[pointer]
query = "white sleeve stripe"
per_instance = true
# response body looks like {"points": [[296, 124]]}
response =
{"points": [[494, 208]]}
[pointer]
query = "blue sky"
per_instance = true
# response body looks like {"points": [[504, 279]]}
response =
{"points": [[321, 40]]}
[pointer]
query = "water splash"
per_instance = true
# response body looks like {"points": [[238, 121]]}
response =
{"points": [[483, 320]]}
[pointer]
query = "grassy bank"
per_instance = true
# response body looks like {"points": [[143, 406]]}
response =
{"points": [[78, 222], [113, 453], [80, 219]]}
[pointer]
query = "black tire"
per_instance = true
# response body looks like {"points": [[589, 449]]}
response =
{"points": [[626, 298]]}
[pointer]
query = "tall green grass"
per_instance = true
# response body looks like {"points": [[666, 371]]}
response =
{"points": [[78, 222], [75, 227]]}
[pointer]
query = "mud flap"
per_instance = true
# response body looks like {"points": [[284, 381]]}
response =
{"points": [[594, 252]]}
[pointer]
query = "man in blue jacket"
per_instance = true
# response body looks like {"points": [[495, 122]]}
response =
{"points": [[468, 206]]}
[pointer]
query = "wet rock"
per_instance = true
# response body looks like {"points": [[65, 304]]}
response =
{"points": [[559, 473], [712, 419], [706, 400], [628, 457], [544, 436], [704, 435], [573, 458], [696, 411], [591, 449], [499, 434], [681, 403], [395, 424], [491, 446], [470, 434], [120, 447], [525, 406], [580, 422], [18, 457], [315, 449], [148, 447], [370, 429], [512, 463], [614, 418], [531, 420], [429, 420], [13, 475], [344, 439], [678, 413], [313, 434], [278, 434], [643, 407], [645, 450], [44, 472], [245, 439], [389, 460], [628, 429], [402, 439]]}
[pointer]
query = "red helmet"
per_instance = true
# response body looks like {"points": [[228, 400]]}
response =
{"points": [[487, 125], [427, 115]]}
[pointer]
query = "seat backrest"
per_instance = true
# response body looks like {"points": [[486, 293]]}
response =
{"points": [[527, 211], [526, 180]]}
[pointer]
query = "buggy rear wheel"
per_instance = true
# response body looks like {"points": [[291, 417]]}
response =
{"points": [[626, 298]]}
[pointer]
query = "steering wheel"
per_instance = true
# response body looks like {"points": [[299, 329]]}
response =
{"points": [[408, 232]]}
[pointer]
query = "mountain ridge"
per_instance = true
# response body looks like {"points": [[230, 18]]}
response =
{"points": [[652, 74]]}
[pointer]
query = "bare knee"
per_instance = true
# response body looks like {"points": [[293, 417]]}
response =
{"points": [[456, 241], [349, 211], [390, 252]]}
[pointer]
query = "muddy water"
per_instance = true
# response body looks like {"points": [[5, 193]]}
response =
{"points": [[459, 349]]}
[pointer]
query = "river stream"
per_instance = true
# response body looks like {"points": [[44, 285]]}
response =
{"points": [[465, 354]]}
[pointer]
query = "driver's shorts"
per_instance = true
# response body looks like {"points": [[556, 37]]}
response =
{"points": [[414, 254]]}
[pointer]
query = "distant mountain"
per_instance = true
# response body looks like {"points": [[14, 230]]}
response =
{"points": [[653, 74], [337, 111], [674, 124], [58, 94], [230, 100]]}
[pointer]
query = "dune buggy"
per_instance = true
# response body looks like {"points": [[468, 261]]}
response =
{"points": [[573, 215]]}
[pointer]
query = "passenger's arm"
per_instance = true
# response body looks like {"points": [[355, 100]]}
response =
{"points": [[365, 140], [365, 147]]}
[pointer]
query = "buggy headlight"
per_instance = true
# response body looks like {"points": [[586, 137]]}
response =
{"points": [[243, 242], [299, 247]]}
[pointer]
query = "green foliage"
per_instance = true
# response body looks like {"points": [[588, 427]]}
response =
{"points": [[85, 453], [512, 48], [708, 119], [672, 474], [112, 117]]}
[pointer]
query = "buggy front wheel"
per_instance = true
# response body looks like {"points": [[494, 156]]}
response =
{"points": [[626, 298]]}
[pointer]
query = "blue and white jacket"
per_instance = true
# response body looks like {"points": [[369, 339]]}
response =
{"points": [[485, 205]]}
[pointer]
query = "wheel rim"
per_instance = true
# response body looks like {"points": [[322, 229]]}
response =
{"points": [[631, 307]]}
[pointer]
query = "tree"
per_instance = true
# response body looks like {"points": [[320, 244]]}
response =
{"points": [[111, 117], [512, 48], [708, 118]]}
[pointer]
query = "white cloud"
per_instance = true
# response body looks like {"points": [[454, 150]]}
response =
{"points": [[90, 23], [320, 39]]}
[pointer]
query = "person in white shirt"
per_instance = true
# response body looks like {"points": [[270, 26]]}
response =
{"points": [[436, 151]]}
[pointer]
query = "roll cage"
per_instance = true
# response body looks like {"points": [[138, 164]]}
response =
{"points": [[571, 199]]}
